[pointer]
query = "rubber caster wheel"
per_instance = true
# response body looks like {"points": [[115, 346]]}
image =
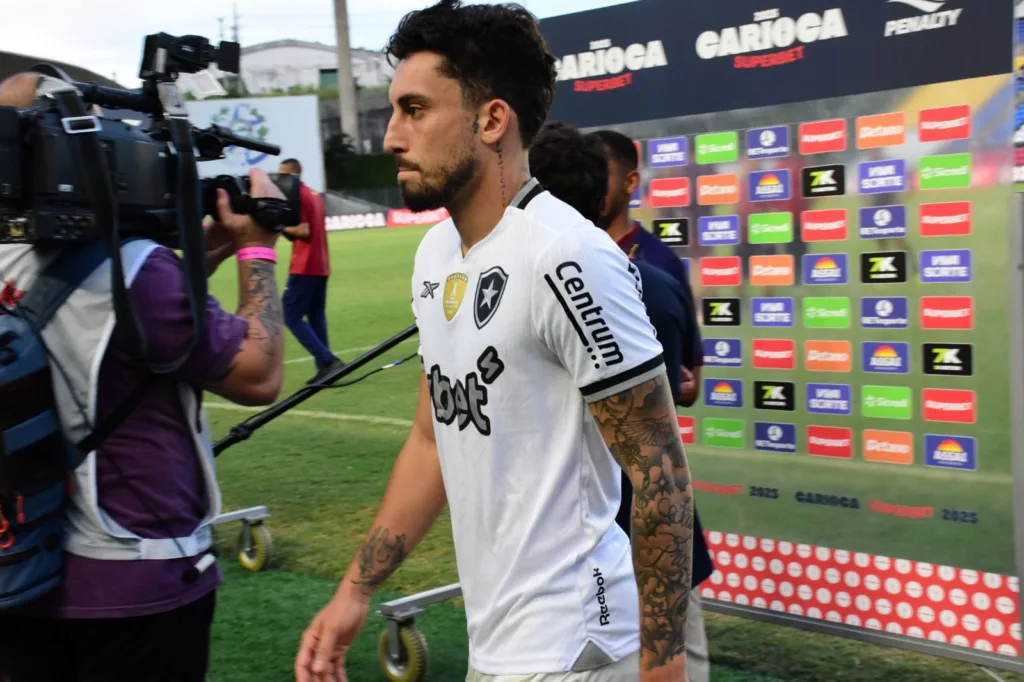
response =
{"points": [[256, 556], [411, 665]]}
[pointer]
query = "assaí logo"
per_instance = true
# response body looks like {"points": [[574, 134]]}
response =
{"points": [[771, 31], [606, 59], [933, 16]]}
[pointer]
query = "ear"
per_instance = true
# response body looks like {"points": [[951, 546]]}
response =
{"points": [[632, 182], [496, 120]]}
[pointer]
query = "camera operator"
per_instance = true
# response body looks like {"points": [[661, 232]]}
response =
{"points": [[138, 595]]}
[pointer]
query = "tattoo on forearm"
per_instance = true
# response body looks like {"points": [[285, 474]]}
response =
{"points": [[640, 427], [381, 554], [260, 303]]}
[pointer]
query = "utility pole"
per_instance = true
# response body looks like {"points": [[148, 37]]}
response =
{"points": [[239, 82], [346, 82]]}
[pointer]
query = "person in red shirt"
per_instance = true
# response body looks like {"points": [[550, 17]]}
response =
{"points": [[305, 295]]}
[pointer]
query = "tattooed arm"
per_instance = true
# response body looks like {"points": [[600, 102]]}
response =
{"points": [[641, 429]]}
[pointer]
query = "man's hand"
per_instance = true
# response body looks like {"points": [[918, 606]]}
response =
{"points": [[329, 637], [244, 230], [688, 387], [220, 245]]}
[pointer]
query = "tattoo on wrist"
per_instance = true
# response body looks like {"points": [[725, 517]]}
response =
{"points": [[381, 554], [639, 425], [261, 303]]}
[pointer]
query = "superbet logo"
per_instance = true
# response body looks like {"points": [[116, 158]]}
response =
{"points": [[824, 225], [670, 192], [830, 441], [774, 354], [950, 405], [948, 219], [944, 124], [822, 137], [723, 271], [947, 312], [688, 429]]}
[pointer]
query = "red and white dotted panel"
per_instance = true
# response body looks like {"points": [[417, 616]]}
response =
{"points": [[944, 604]]}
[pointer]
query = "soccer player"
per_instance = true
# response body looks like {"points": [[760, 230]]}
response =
{"points": [[542, 378], [641, 245], [574, 168]]}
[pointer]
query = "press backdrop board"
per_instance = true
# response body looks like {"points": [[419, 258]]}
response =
{"points": [[838, 179], [290, 122]]}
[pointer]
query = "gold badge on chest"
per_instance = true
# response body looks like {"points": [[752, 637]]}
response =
{"points": [[454, 291]]}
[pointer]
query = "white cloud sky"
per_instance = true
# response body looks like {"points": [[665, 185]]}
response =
{"points": [[106, 36]]}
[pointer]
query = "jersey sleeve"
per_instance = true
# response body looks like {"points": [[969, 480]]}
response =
{"points": [[588, 311]]}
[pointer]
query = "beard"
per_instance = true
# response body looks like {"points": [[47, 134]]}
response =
{"points": [[441, 187]]}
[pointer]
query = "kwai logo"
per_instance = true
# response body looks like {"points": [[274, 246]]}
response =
{"points": [[606, 59], [933, 16], [771, 31]]}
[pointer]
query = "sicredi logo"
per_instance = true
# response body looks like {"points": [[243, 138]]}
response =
{"points": [[770, 228], [825, 268], [889, 357], [884, 312], [887, 402], [829, 399], [771, 270], [883, 222], [723, 353], [830, 441], [605, 59], [721, 312], [673, 231], [717, 147], [891, 447], [769, 185], [878, 177], [723, 433], [719, 230], [944, 171], [947, 312], [721, 271], [771, 31], [950, 405], [946, 265], [723, 392], [824, 225], [774, 354], [768, 143], [687, 429], [823, 137], [881, 130], [951, 452], [718, 189], [823, 181], [948, 359], [946, 219], [775, 437], [828, 356], [944, 124], [772, 312], [826, 312], [667, 152], [670, 192], [933, 17]]}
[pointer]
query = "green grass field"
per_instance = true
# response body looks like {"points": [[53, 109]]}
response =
{"points": [[323, 467]]}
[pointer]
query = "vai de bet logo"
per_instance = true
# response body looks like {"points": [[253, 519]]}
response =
{"points": [[247, 121]]}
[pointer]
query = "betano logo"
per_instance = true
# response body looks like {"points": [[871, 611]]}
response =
{"points": [[771, 31], [828, 356], [771, 270], [606, 59]]}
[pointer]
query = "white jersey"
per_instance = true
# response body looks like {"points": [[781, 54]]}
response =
{"points": [[540, 318]]}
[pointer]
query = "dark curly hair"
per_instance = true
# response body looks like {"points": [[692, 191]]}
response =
{"points": [[572, 166], [493, 51]]}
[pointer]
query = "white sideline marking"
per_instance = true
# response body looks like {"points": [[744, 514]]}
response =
{"points": [[342, 352], [316, 414]]}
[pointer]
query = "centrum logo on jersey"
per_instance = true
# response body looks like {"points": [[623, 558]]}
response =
{"points": [[773, 312], [723, 392], [946, 265], [828, 356], [824, 225], [719, 230], [723, 433], [721, 271], [454, 291], [771, 31], [687, 429], [673, 231], [948, 219], [721, 312], [667, 152], [774, 354], [945, 171], [951, 452], [775, 395], [947, 312], [826, 312], [775, 437], [883, 222], [890, 447], [932, 16], [718, 147], [887, 402], [944, 124], [885, 357], [723, 353], [881, 130], [670, 192], [770, 228], [768, 143], [718, 189], [769, 185], [827, 268], [823, 137], [829, 399], [824, 181], [771, 270], [583, 312], [607, 59], [878, 177], [884, 313], [830, 441], [883, 266], [950, 405]]}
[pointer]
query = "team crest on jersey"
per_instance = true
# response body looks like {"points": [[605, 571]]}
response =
{"points": [[489, 290], [454, 292]]}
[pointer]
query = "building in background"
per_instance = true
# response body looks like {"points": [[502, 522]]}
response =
{"points": [[281, 65]]}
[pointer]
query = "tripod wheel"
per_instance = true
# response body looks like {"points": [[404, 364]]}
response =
{"points": [[255, 546]]}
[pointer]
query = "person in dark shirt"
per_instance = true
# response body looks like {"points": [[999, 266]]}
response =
{"points": [[574, 168], [643, 247]]}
